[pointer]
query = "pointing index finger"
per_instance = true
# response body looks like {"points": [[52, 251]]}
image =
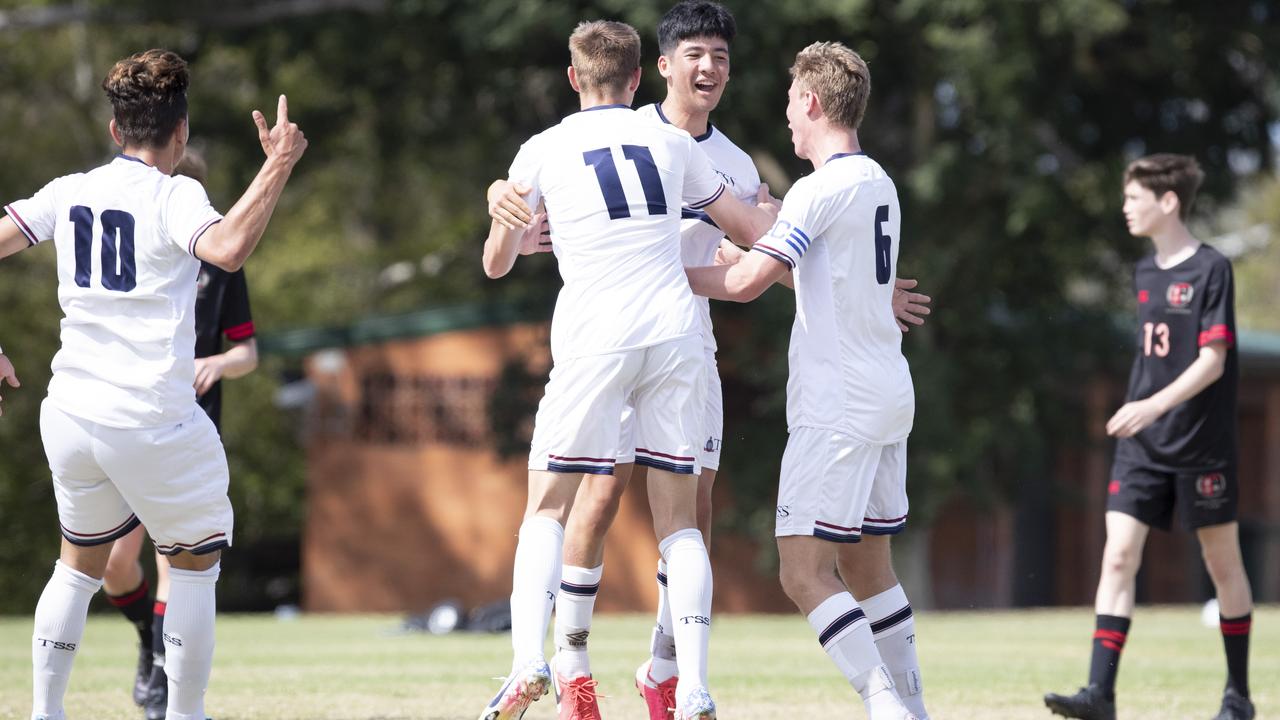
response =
{"points": [[282, 111]]}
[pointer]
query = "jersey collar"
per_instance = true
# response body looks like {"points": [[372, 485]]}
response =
{"points": [[663, 117], [131, 158], [837, 156], [604, 107]]}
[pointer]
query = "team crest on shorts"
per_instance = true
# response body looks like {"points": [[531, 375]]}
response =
{"points": [[1211, 485], [1179, 294]]}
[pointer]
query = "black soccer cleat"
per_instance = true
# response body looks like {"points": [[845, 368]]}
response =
{"points": [[1235, 706], [142, 678], [157, 694], [1090, 703]]}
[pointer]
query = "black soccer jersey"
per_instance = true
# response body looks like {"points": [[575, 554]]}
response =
{"points": [[1180, 310], [222, 308]]}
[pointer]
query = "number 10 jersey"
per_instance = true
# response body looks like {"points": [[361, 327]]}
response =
{"points": [[125, 236], [613, 182]]}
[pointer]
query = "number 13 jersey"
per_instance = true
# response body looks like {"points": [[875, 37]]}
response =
{"points": [[613, 182], [1180, 310], [838, 232], [125, 236]]}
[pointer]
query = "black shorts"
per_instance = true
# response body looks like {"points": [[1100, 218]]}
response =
{"points": [[1202, 499]]}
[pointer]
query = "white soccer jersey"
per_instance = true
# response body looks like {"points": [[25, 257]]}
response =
{"points": [[125, 235], [699, 235], [838, 232], [614, 183]]}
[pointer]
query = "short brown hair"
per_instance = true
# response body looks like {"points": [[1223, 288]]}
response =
{"points": [[604, 54], [148, 94], [1167, 172], [839, 77]]}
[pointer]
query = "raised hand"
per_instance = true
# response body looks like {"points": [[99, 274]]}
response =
{"points": [[909, 307], [7, 374], [284, 141]]}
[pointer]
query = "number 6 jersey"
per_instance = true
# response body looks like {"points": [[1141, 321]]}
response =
{"points": [[614, 182], [838, 232], [1180, 310], [125, 236]]}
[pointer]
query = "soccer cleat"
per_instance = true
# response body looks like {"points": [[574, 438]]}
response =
{"points": [[142, 678], [659, 697], [1090, 703], [697, 705], [1235, 706], [157, 702], [576, 698], [520, 690]]}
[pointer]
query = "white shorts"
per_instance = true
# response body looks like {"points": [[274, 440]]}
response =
{"points": [[837, 488], [712, 423], [578, 428], [173, 479]]}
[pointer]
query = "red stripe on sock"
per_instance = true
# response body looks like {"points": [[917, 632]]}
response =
{"points": [[159, 607], [1236, 628], [129, 598], [1114, 636], [1112, 646]]}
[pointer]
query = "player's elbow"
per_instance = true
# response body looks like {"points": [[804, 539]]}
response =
{"points": [[494, 269], [743, 287]]}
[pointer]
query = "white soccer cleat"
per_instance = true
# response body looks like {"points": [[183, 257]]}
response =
{"points": [[697, 705], [520, 690]]}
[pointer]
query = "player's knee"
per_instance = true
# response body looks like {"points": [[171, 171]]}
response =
{"points": [[1223, 564], [1120, 560], [121, 568]]}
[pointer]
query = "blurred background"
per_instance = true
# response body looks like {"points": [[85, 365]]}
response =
{"points": [[377, 454]]}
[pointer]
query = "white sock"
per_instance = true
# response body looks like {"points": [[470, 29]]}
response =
{"points": [[689, 591], [534, 582], [662, 647], [574, 604], [188, 639], [894, 629], [845, 634], [59, 626]]}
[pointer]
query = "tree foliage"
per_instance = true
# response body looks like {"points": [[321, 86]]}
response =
{"points": [[1005, 123]]}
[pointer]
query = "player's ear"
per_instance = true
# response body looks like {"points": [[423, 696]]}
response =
{"points": [[635, 80], [115, 133], [573, 80], [1169, 203], [664, 66], [812, 105]]}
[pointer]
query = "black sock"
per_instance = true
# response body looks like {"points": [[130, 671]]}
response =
{"points": [[157, 629], [1235, 639], [136, 606], [1108, 642]]}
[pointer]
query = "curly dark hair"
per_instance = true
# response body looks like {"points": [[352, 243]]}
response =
{"points": [[148, 94]]}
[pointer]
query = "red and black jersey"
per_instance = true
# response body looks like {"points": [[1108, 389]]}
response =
{"points": [[222, 309], [1180, 310]]}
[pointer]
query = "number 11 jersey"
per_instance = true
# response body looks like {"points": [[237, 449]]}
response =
{"points": [[613, 182], [125, 235]]}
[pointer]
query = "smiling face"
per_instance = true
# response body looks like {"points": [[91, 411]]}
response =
{"points": [[696, 72], [1146, 214]]}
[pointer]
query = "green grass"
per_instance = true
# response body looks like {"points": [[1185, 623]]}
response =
{"points": [[977, 665]]}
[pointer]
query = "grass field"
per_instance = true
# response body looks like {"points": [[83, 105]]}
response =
{"points": [[977, 665]]}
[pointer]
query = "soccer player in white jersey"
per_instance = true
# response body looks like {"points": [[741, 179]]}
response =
{"points": [[850, 402], [624, 332], [126, 442]]}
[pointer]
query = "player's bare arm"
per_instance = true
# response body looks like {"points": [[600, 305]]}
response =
{"points": [[742, 281], [229, 243], [239, 360], [501, 249], [743, 223], [12, 241], [1134, 417]]}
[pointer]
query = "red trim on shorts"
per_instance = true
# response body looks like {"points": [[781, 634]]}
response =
{"points": [[165, 548], [836, 527], [891, 520], [115, 529], [669, 457], [581, 459]]}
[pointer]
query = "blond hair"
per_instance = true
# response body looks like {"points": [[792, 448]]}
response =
{"points": [[1167, 172], [604, 54], [839, 77]]}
